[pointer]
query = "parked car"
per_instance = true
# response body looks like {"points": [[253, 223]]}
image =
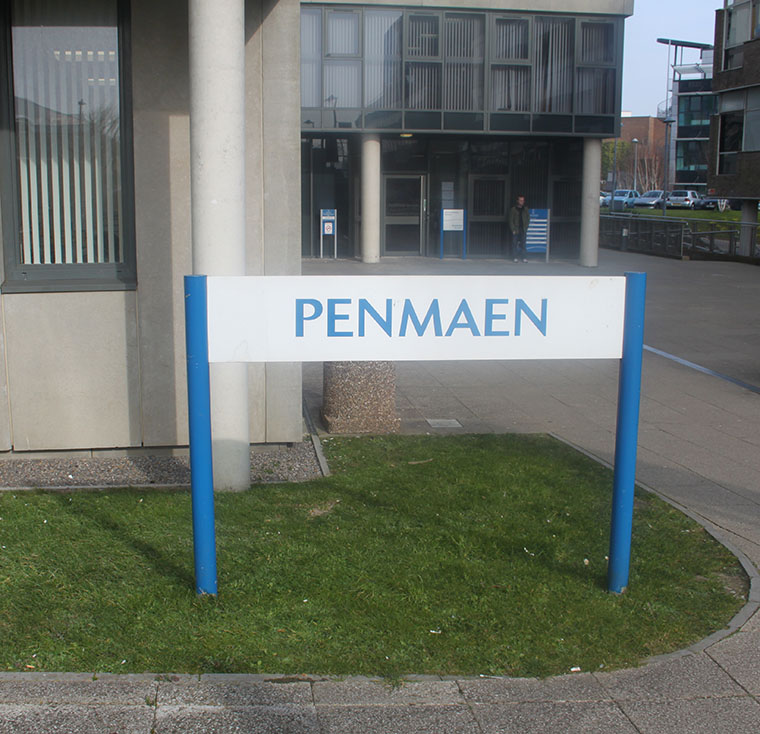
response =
{"points": [[683, 199], [712, 202], [623, 199], [652, 199], [604, 198]]}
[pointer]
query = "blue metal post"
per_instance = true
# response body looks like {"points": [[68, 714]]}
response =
{"points": [[626, 440], [199, 415], [464, 235], [441, 253]]}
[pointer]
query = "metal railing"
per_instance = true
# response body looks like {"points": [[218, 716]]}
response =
{"points": [[680, 238]]}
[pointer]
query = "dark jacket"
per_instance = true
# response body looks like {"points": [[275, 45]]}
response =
{"points": [[514, 219]]}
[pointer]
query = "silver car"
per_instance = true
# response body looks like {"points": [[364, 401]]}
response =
{"points": [[651, 199], [683, 199]]}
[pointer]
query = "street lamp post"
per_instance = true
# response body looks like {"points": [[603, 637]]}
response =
{"points": [[668, 122], [635, 142]]}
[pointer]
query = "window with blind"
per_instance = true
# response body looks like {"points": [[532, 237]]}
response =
{"points": [[464, 65], [69, 175], [382, 59], [510, 74], [553, 60], [423, 78], [596, 84]]}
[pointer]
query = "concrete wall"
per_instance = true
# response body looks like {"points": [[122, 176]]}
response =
{"points": [[107, 369]]}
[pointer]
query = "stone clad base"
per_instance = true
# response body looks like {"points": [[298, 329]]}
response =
{"points": [[360, 397]]}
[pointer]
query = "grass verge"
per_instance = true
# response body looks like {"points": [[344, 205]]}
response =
{"points": [[440, 555]]}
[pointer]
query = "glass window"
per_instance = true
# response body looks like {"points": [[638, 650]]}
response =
{"points": [[510, 88], [424, 36], [70, 170], [691, 155], [553, 64], [342, 33], [732, 101], [511, 39], [752, 130], [423, 85], [343, 78], [311, 57], [730, 141], [597, 43], [595, 93], [464, 67], [382, 59]]}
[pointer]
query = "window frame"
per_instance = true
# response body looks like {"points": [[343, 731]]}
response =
{"points": [[22, 277]]}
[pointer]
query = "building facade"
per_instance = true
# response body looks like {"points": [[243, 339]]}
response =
{"points": [[735, 132], [388, 111], [451, 107]]}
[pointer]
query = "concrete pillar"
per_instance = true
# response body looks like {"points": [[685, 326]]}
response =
{"points": [[592, 166], [748, 233], [371, 180], [217, 155]]}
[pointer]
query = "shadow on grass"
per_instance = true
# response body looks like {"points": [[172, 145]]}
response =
{"points": [[120, 532]]}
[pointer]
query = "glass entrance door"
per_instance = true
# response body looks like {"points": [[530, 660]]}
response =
{"points": [[403, 214]]}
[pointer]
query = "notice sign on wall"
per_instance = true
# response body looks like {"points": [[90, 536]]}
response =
{"points": [[302, 319]]}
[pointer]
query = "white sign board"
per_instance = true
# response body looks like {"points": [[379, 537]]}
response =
{"points": [[328, 318], [453, 220]]}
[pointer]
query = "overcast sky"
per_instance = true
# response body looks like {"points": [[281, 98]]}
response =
{"points": [[645, 63]]}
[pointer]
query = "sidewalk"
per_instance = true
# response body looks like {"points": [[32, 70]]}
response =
{"points": [[699, 439]]}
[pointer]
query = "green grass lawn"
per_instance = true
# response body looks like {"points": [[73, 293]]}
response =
{"points": [[440, 555]]}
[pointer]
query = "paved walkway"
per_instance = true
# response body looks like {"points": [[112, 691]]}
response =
{"points": [[699, 440]]}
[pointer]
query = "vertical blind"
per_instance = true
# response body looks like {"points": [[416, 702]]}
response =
{"points": [[342, 70], [464, 68], [311, 57], [597, 43], [67, 114], [511, 38], [382, 59], [553, 64]]}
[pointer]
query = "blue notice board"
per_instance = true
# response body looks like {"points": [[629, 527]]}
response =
{"points": [[537, 236]]}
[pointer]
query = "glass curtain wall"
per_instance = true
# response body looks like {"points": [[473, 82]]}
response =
{"points": [[379, 68]]}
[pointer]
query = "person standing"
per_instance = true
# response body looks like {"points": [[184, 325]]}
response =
{"points": [[519, 219]]}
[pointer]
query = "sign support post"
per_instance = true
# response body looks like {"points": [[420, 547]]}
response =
{"points": [[626, 438], [199, 416]]}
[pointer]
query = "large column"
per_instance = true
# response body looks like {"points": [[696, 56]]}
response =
{"points": [[217, 154], [592, 166], [371, 180], [748, 232]]}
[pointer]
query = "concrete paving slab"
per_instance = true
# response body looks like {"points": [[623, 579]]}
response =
{"points": [[739, 656], [232, 693], [371, 692], [564, 688], [59, 689], [216, 720], [551, 718], [697, 716], [419, 719], [72, 719], [689, 676]]}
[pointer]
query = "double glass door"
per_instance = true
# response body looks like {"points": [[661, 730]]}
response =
{"points": [[403, 214]]}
